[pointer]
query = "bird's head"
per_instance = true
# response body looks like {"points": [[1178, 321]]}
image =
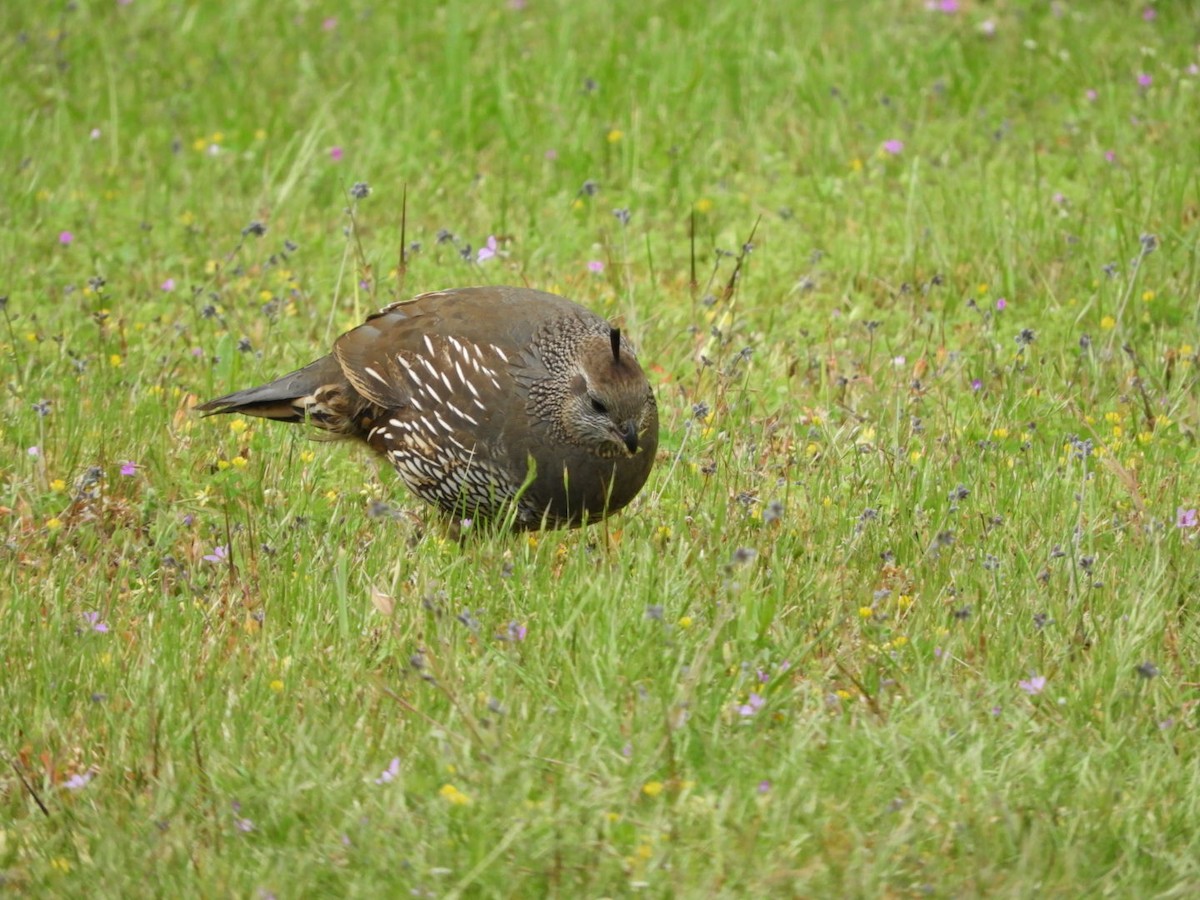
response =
{"points": [[610, 406]]}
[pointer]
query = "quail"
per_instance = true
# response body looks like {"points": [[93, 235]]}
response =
{"points": [[492, 403]]}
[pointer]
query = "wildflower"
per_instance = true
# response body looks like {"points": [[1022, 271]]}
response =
{"points": [[623, 215], [94, 134], [893, 147], [1026, 337], [652, 788], [256, 228], [595, 266], [763, 786], [329, 24], [772, 513], [360, 190], [93, 621], [1144, 80], [550, 155], [243, 825], [1149, 14], [590, 188], [1147, 670], [753, 705], [1108, 323], [66, 238], [1186, 518], [1091, 95], [1034, 685], [335, 154], [1001, 304], [1110, 156], [219, 555], [454, 796], [516, 632], [78, 781], [391, 773], [976, 384], [129, 468], [615, 136], [488, 250]]}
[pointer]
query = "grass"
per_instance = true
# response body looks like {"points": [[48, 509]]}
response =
{"points": [[908, 605]]}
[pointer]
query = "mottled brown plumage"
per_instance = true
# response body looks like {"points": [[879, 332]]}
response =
{"points": [[482, 397]]}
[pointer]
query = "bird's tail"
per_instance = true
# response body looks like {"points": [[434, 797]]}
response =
{"points": [[319, 393]]}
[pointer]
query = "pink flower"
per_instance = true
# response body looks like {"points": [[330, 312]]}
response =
{"points": [[1034, 685], [1149, 14], [596, 266], [94, 134], [551, 155], [168, 284], [894, 147], [1110, 156], [335, 154], [488, 250], [1186, 518], [1091, 95], [753, 705], [93, 620], [78, 781], [329, 24], [66, 238], [129, 468], [391, 773], [1001, 303], [219, 555], [1144, 80]]}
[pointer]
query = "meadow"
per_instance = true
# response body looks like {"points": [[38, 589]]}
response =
{"points": [[908, 605]]}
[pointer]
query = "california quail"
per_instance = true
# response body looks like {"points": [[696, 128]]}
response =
{"points": [[480, 397]]}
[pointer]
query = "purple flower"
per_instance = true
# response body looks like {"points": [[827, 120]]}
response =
{"points": [[1001, 303], [78, 781], [1149, 14], [755, 703], [596, 266], [243, 825], [1091, 95], [976, 385], [550, 155], [1186, 518], [1110, 156], [329, 24], [335, 154], [1144, 80], [219, 555], [516, 632], [34, 451], [93, 620], [168, 284], [391, 773], [129, 468], [764, 786], [894, 147], [65, 238], [1034, 685], [488, 250]]}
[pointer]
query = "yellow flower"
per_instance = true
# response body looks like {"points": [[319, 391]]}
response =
{"points": [[222, 464], [1145, 437], [983, 288], [577, 203], [199, 144], [703, 205], [843, 693], [217, 137], [54, 524], [260, 134], [276, 685], [60, 864], [1000, 433], [115, 361], [1147, 296], [307, 456], [615, 135], [1108, 323], [915, 456], [685, 622], [865, 612], [652, 788], [899, 641], [237, 426], [454, 796], [58, 485], [238, 462], [1112, 418], [856, 165]]}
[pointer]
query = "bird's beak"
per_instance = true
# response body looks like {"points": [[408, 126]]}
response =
{"points": [[630, 437]]}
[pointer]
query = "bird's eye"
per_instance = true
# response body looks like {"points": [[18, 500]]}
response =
{"points": [[599, 407]]}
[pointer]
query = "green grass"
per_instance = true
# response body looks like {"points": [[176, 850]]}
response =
{"points": [[793, 667]]}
